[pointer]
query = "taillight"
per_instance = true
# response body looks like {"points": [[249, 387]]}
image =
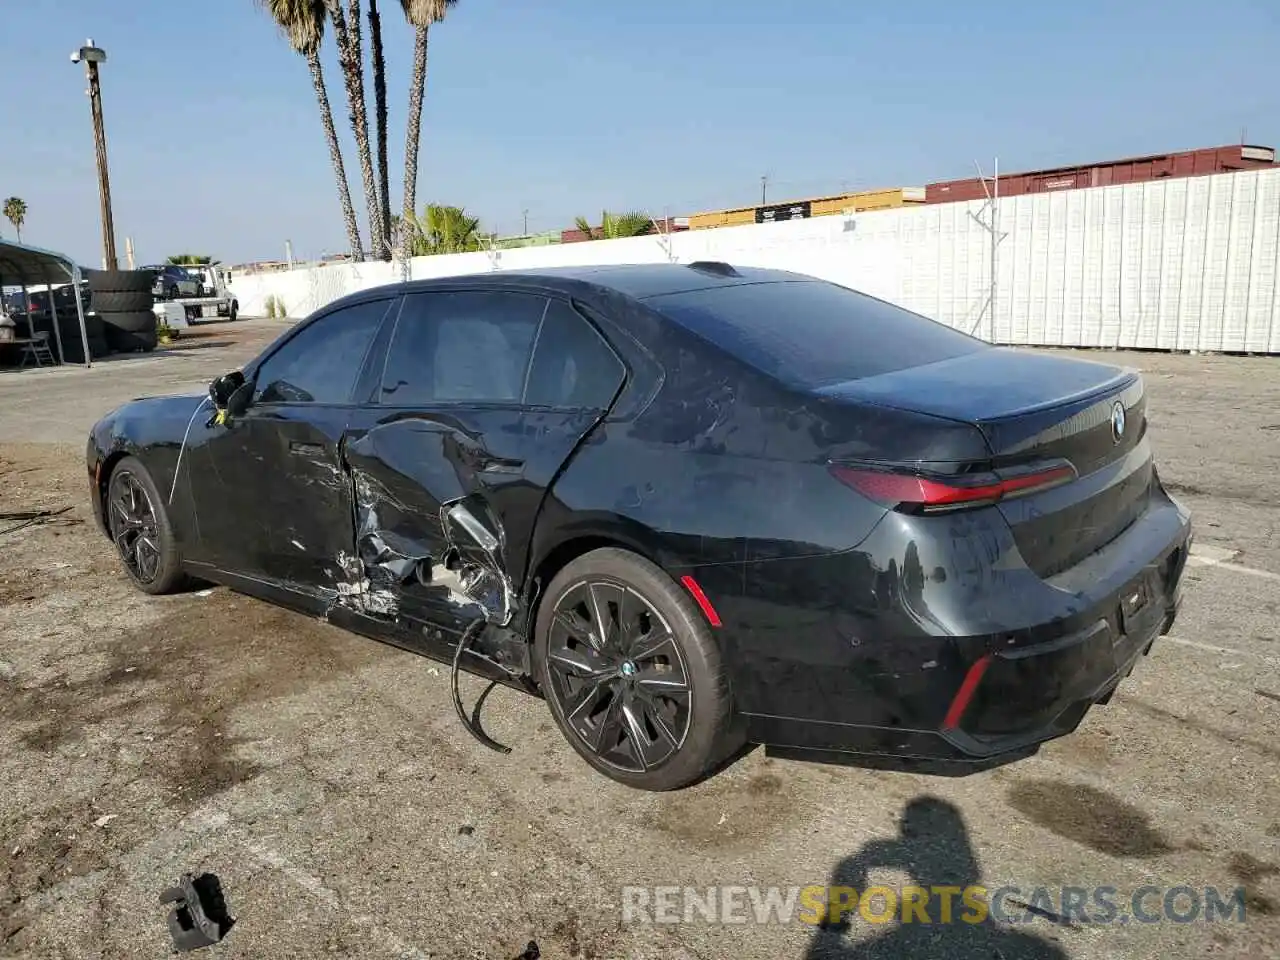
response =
{"points": [[924, 493]]}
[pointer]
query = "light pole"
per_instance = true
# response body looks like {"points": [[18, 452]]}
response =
{"points": [[92, 56]]}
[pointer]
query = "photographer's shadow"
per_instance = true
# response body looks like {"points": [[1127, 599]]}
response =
{"points": [[933, 848]]}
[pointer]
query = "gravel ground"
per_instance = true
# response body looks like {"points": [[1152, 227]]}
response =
{"points": [[325, 779]]}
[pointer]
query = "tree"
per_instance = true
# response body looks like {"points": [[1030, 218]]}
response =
{"points": [[380, 123], [15, 208], [346, 33], [441, 229], [191, 260], [302, 22], [421, 14], [614, 226]]}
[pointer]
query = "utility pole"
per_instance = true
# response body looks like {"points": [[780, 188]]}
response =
{"points": [[764, 186], [526, 224], [92, 56]]}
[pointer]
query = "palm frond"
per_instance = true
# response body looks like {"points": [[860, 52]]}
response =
{"points": [[301, 21], [618, 225], [423, 13]]}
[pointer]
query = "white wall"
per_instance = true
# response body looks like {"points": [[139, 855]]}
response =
{"points": [[1187, 264]]}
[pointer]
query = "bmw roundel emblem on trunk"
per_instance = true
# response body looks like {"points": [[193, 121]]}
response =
{"points": [[1117, 422]]}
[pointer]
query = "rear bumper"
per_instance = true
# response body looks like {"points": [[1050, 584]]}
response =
{"points": [[1005, 706], [962, 703]]}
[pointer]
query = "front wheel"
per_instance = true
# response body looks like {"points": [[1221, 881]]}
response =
{"points": [[140, 529], [631, 672]]}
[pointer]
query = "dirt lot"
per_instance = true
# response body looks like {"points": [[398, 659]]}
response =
{"points": [[326, 781]]}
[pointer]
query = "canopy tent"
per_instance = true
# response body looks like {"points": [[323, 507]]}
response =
{"points": [[21, 265]]}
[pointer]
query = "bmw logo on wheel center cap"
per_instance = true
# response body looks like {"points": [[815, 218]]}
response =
{"points": [[628, 669], [1117, 421]]}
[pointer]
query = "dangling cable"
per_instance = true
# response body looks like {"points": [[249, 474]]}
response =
{"points": [[473, 727], [183, 449]]}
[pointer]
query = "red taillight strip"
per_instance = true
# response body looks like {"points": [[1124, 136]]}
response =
{"points": [[899, 488], [955, 712], [708, 610]]}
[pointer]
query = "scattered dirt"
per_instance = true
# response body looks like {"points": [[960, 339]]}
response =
{"points": [[1249, 869], [146, 708], [719, 813], [1088, 816]]}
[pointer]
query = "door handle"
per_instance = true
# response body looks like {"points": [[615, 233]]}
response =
{"points": [[300, 448]]}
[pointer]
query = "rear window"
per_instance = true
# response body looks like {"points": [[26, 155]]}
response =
{"points": [[808, 333]]}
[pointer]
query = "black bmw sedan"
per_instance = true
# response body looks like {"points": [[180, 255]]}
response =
{"points": [[693, 507]]}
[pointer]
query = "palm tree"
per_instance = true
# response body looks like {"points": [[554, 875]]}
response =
{"points": [[302, 22], [191, 260], [441, 229], [346, 32], [614, 226], [15, 208], [380, 121], [421, 14]]}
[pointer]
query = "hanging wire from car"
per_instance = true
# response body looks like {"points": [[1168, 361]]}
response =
{"points": [[471, 723], [173, 487]]}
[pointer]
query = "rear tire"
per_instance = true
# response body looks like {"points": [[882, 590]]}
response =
{"points": [[140, 529], [645, 700]]}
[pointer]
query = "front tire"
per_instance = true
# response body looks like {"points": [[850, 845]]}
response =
{"points": [[631, 672], [141, 530]]}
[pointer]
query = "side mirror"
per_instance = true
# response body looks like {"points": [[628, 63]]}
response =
{"points": [[222, 389], [238, 402]]}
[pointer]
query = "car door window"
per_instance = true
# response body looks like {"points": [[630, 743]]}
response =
{"points": [[572, 364], [321, 363], [469, 346]]}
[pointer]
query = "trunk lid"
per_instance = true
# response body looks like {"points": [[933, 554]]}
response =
{"points": [[1037, 408]]}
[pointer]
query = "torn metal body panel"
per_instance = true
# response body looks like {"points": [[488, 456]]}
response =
{"points": [[446, 500]]}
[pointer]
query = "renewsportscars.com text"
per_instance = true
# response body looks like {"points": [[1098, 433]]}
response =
{"points": [[825, 905]]}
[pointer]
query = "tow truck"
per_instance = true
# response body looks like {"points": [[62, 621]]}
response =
{"points": [[213, 301]]}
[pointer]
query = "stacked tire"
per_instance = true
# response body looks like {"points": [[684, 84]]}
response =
{"points": [[123, 300], [73, 347]]}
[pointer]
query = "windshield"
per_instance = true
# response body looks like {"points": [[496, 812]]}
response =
{"points": [[809, 333]]}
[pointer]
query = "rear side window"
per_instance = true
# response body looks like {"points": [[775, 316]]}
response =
{"points": [[808, 333], [468, 346], [572, 366]]}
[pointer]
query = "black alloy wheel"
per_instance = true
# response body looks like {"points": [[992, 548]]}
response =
{"points": [[632, 673], [140, 528], [134, 528], [618, 676]]}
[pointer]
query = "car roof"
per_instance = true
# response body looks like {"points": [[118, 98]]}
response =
{"points": [[638, 281]]}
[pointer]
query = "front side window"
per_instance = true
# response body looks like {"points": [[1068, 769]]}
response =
{"points": [[464, 346], [321, 363]]}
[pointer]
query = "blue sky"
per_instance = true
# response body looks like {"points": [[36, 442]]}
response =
{"points": [[566, 107]]}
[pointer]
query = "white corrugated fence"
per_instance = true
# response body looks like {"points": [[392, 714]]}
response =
{"points": [[1179, 264]]}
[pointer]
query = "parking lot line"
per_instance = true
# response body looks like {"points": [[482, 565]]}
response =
{"points": [[1208, 556]]}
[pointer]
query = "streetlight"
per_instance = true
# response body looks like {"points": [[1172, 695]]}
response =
{"points": [[92, 56]]}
